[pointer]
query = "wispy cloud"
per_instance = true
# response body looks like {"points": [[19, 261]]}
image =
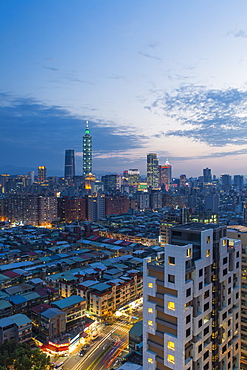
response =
{"points": [[240, 33], [215, 117], [146, 55]]}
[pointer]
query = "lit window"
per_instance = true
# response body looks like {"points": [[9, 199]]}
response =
{"points": [[150, 310], [207, 252], [171, 359], [150, 360], [171, 260], [150, 322], [150, 285], [171, 345], [171, 306], [208, 239], [188, 254]]}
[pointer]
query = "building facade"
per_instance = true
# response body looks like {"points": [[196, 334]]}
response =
{"points": [[152, 170], [191, 307], [69, 164]]}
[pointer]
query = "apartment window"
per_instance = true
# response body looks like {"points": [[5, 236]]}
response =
{"points": [[224, 315], [171, 260], [229, 322], [188, 253], [206, 306], [150, 285], [206, 294], [188, 319], [207, 252], [206, 330], [236, 347], [236, 316], [237, 254], [171, 305], [229, 365], [199, 348], [205, 356], [229, 301], [171, 359], [229, 354], [208, 239], [236, 327], [171, 345], [229, 290], [187, 332], [224, 260], [206, 367], [224, 272], [199, 323], [237, 265], [150, 322], [224, 349], [188, 292], [229, 279], [171, 278], [150, 310], [200, 285], [200, 272], [236, 295], [150, 360]]}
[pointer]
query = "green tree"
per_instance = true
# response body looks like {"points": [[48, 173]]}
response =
{"points": [[22, 357]]}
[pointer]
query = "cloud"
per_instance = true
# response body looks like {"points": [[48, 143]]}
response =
{"points": [[215, 117], [240, 33], [34, 133], [146, 55]]}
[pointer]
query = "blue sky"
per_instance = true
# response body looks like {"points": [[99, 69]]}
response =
{"points": [[150, 76]]}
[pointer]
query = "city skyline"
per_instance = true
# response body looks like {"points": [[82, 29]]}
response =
{"points": [[150, 77]]}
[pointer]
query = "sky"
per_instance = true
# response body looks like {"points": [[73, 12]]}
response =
{"points": [[150, 76]]}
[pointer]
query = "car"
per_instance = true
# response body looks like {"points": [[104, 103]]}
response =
{"points": [[82, 352]]}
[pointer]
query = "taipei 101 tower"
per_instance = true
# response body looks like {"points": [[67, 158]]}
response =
{"points": [[87, 152]]}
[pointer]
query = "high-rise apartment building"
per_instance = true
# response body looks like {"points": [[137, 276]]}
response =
{"points": [[87, 151], [191, 310], [41, 174], [165, 175], [152, 170], [69, 164]]}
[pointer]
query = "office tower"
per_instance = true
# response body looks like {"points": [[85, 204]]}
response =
{"points": [[212, 202], [182, 181], [238, 182], [69, 164], [133, 177], [152, 170], [87, 152], [165, 175], [207, 177], [226, 181], [191, 309], [31, 177], [41, 174]]}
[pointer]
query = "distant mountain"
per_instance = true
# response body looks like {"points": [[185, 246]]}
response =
{"points": [[16, 170]]}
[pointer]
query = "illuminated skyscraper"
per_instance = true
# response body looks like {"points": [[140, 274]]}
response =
{"points": [[152, 170], [87, 151], [165, 175], [69, 166], [41, 174]]}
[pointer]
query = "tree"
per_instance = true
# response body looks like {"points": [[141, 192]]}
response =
{"points": [[22, 357]]}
